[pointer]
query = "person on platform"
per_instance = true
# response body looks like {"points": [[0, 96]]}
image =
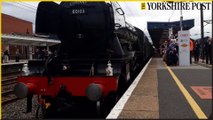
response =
{"points": [[209, 51], [191, 50], [37, 54], [163, 50], [6, 56], [172, 53], [17, 55], [196, 51], [44, 54]]}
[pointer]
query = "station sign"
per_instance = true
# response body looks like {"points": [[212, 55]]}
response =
{"points": [[184, 47]]}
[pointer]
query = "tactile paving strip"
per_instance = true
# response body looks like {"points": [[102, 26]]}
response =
{"points": [[204, 92]]}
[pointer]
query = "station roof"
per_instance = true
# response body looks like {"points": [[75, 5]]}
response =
{"points": [[159, 31], [27, 40]]}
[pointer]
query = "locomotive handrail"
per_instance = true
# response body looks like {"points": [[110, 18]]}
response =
{"points": [[120, 11]]}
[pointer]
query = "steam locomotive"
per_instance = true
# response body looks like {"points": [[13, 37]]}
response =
{"points": [[99, 56]]}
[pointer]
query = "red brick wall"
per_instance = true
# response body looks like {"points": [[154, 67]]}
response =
{"points": [[10, 25], [15, 25]]}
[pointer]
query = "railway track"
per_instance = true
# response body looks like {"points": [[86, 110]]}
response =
{"points": [[8, 94], [9, 80], [8, 98], [11, 74]]}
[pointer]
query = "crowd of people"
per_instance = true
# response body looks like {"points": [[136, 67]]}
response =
{"points": [[207, 51], [169, 51], [41, 54], [38, 54]]}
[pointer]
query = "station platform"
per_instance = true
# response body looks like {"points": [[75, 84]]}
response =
{"points": [[12, 67], [13, 62], [167, 92]]}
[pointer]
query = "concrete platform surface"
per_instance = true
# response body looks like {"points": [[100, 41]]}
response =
{"points": [[158, 95]]}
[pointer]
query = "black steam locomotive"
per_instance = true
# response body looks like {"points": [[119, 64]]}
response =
{"points": [[99, 56]]}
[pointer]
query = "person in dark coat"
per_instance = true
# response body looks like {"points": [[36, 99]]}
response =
{"points": [[37, 54], [17, 55], [197, 51], [6, 56], [171, 53], [208, 48]]}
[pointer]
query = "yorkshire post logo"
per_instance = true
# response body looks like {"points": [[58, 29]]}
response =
{"points": [[143, 6], [176, 5]]}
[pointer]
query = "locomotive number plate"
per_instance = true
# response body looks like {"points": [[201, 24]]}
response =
{"points": [[78, 11]]}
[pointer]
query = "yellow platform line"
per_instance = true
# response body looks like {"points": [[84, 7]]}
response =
{"points": [[200, 114]]}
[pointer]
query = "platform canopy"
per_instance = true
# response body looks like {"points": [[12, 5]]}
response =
{"points": [[159, 31], [10, 39]]}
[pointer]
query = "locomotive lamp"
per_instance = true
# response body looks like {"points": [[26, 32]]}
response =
{"points": [[64, 67], [109, 69], [92, 70], [25, 70]]}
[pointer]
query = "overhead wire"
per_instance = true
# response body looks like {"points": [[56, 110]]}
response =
{"points": [[171, 15], [136, 20]]}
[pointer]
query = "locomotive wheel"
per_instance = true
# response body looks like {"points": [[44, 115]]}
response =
{"points": [[40, 112], [109, 103], [98, 108], [101, 108], [105, 105], [122, 84], [132, 72]]}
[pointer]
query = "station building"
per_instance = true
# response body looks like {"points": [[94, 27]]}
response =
{"points": [[18, 34], [15, 26]]}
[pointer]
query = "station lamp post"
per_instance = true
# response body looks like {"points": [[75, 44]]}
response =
{"points": [[202, 32], [181, 20]]}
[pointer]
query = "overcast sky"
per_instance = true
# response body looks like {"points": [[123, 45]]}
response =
{"points": [[133, 13]]}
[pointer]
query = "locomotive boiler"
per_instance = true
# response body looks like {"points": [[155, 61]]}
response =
{"points": [[99, 56]]}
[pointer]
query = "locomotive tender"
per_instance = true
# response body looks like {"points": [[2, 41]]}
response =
{"points": [[99, 55]]}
